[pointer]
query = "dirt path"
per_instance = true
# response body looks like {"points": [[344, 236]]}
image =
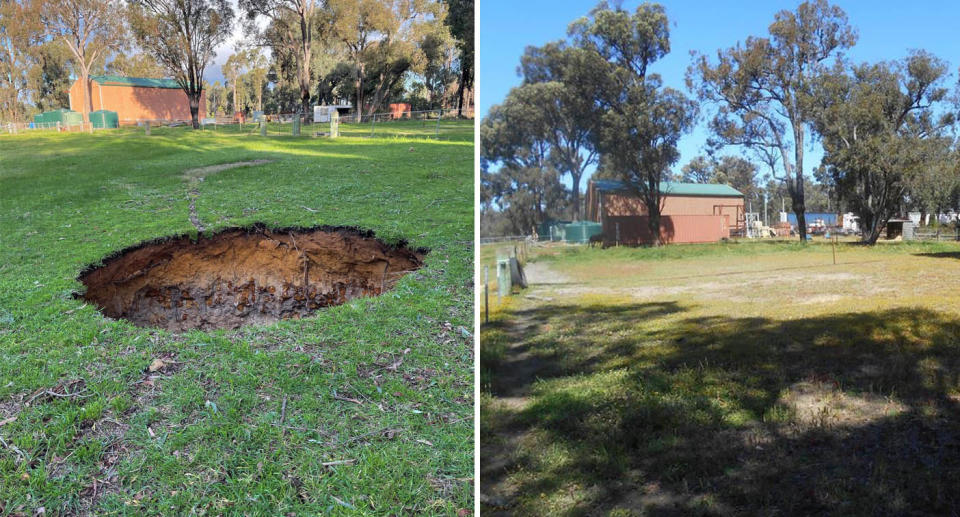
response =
{"points": [[516, 374]]}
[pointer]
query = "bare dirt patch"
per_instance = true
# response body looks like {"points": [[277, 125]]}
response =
{"points": [[244, 276], [824, 404], [197, 174]]}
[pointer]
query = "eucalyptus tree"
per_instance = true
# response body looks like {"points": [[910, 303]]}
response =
{"points": [[136, 64], [18, 36], [735, 171], [763, 88], [257, 68], [460, 19], [182, 36], [525, 186], [559, 80], [233, 70], [91, 29], [884, 126], [294, 24], [640, 120]]}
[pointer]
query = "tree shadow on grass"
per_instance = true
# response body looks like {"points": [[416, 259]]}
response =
{"points": [[600, 333], [942, 254], [851, 414]]}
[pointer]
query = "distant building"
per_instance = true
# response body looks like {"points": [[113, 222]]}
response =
{"points": [[692, 212], [136, 99]]}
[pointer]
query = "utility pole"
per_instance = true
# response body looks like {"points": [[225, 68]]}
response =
{"points": [[765, 209]]}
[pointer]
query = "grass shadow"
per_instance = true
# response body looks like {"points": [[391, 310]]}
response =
{"points": [[850, 414]]}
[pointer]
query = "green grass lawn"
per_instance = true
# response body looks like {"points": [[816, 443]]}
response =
{"points": [[730, 379], [365, 408]]}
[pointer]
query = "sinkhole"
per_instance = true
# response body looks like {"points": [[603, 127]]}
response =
{"points": [[244, 276]]}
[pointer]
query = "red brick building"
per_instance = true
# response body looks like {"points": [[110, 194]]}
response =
{"points": [[135, 98], [692, 212]]}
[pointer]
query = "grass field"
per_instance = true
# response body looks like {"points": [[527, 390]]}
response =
{"points": [[365, 408], [729, 379]]}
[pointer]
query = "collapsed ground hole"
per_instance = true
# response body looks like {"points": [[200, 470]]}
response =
{"points": [[244, 276]]}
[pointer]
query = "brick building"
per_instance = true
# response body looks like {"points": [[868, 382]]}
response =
{"points": [[136, 98], [692, 212]]}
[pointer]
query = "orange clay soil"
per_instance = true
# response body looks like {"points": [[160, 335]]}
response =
{"points": [[244, 276]]}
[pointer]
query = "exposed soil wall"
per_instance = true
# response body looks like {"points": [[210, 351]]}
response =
{"points": [[244, 276]]}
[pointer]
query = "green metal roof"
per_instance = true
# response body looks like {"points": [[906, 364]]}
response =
{"points": [[675, 189], [144, 82]]}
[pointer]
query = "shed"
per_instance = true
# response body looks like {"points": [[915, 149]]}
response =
{"points": [[691, 212], [900, 227], [135, 98]]}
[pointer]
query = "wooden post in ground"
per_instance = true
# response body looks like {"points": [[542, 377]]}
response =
{"points": [[834, 250], [334, 124], [146, 128], [486, 293]]}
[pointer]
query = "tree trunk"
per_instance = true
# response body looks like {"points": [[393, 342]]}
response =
{"points": [[653, 224], [460, 90], [194, 109], [799, 207], [305, 97], [872, 232], [576, 195], [359, 107], [306, 37], [88, 105]]}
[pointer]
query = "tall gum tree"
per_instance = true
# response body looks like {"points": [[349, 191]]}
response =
{"points": [[559, 79], [763, 88], [525, 186], [885, 129], [91, 29], [296, 22], [182, 35], [18, 35], [640, 121]]}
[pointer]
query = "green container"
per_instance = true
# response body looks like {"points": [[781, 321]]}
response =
{"points": [[104, 119], [581, 231], [72, 118], [64, 116], [551, 230]]}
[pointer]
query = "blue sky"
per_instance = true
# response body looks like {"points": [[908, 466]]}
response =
{"points": [[887, 30]]}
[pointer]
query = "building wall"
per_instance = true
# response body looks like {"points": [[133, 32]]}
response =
{"points": [[632, 229], [134, 103], [684, 219], [624, 205]]}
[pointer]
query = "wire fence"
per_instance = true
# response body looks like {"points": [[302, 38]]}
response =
{"points": [[59, 127], [438, 124]]}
